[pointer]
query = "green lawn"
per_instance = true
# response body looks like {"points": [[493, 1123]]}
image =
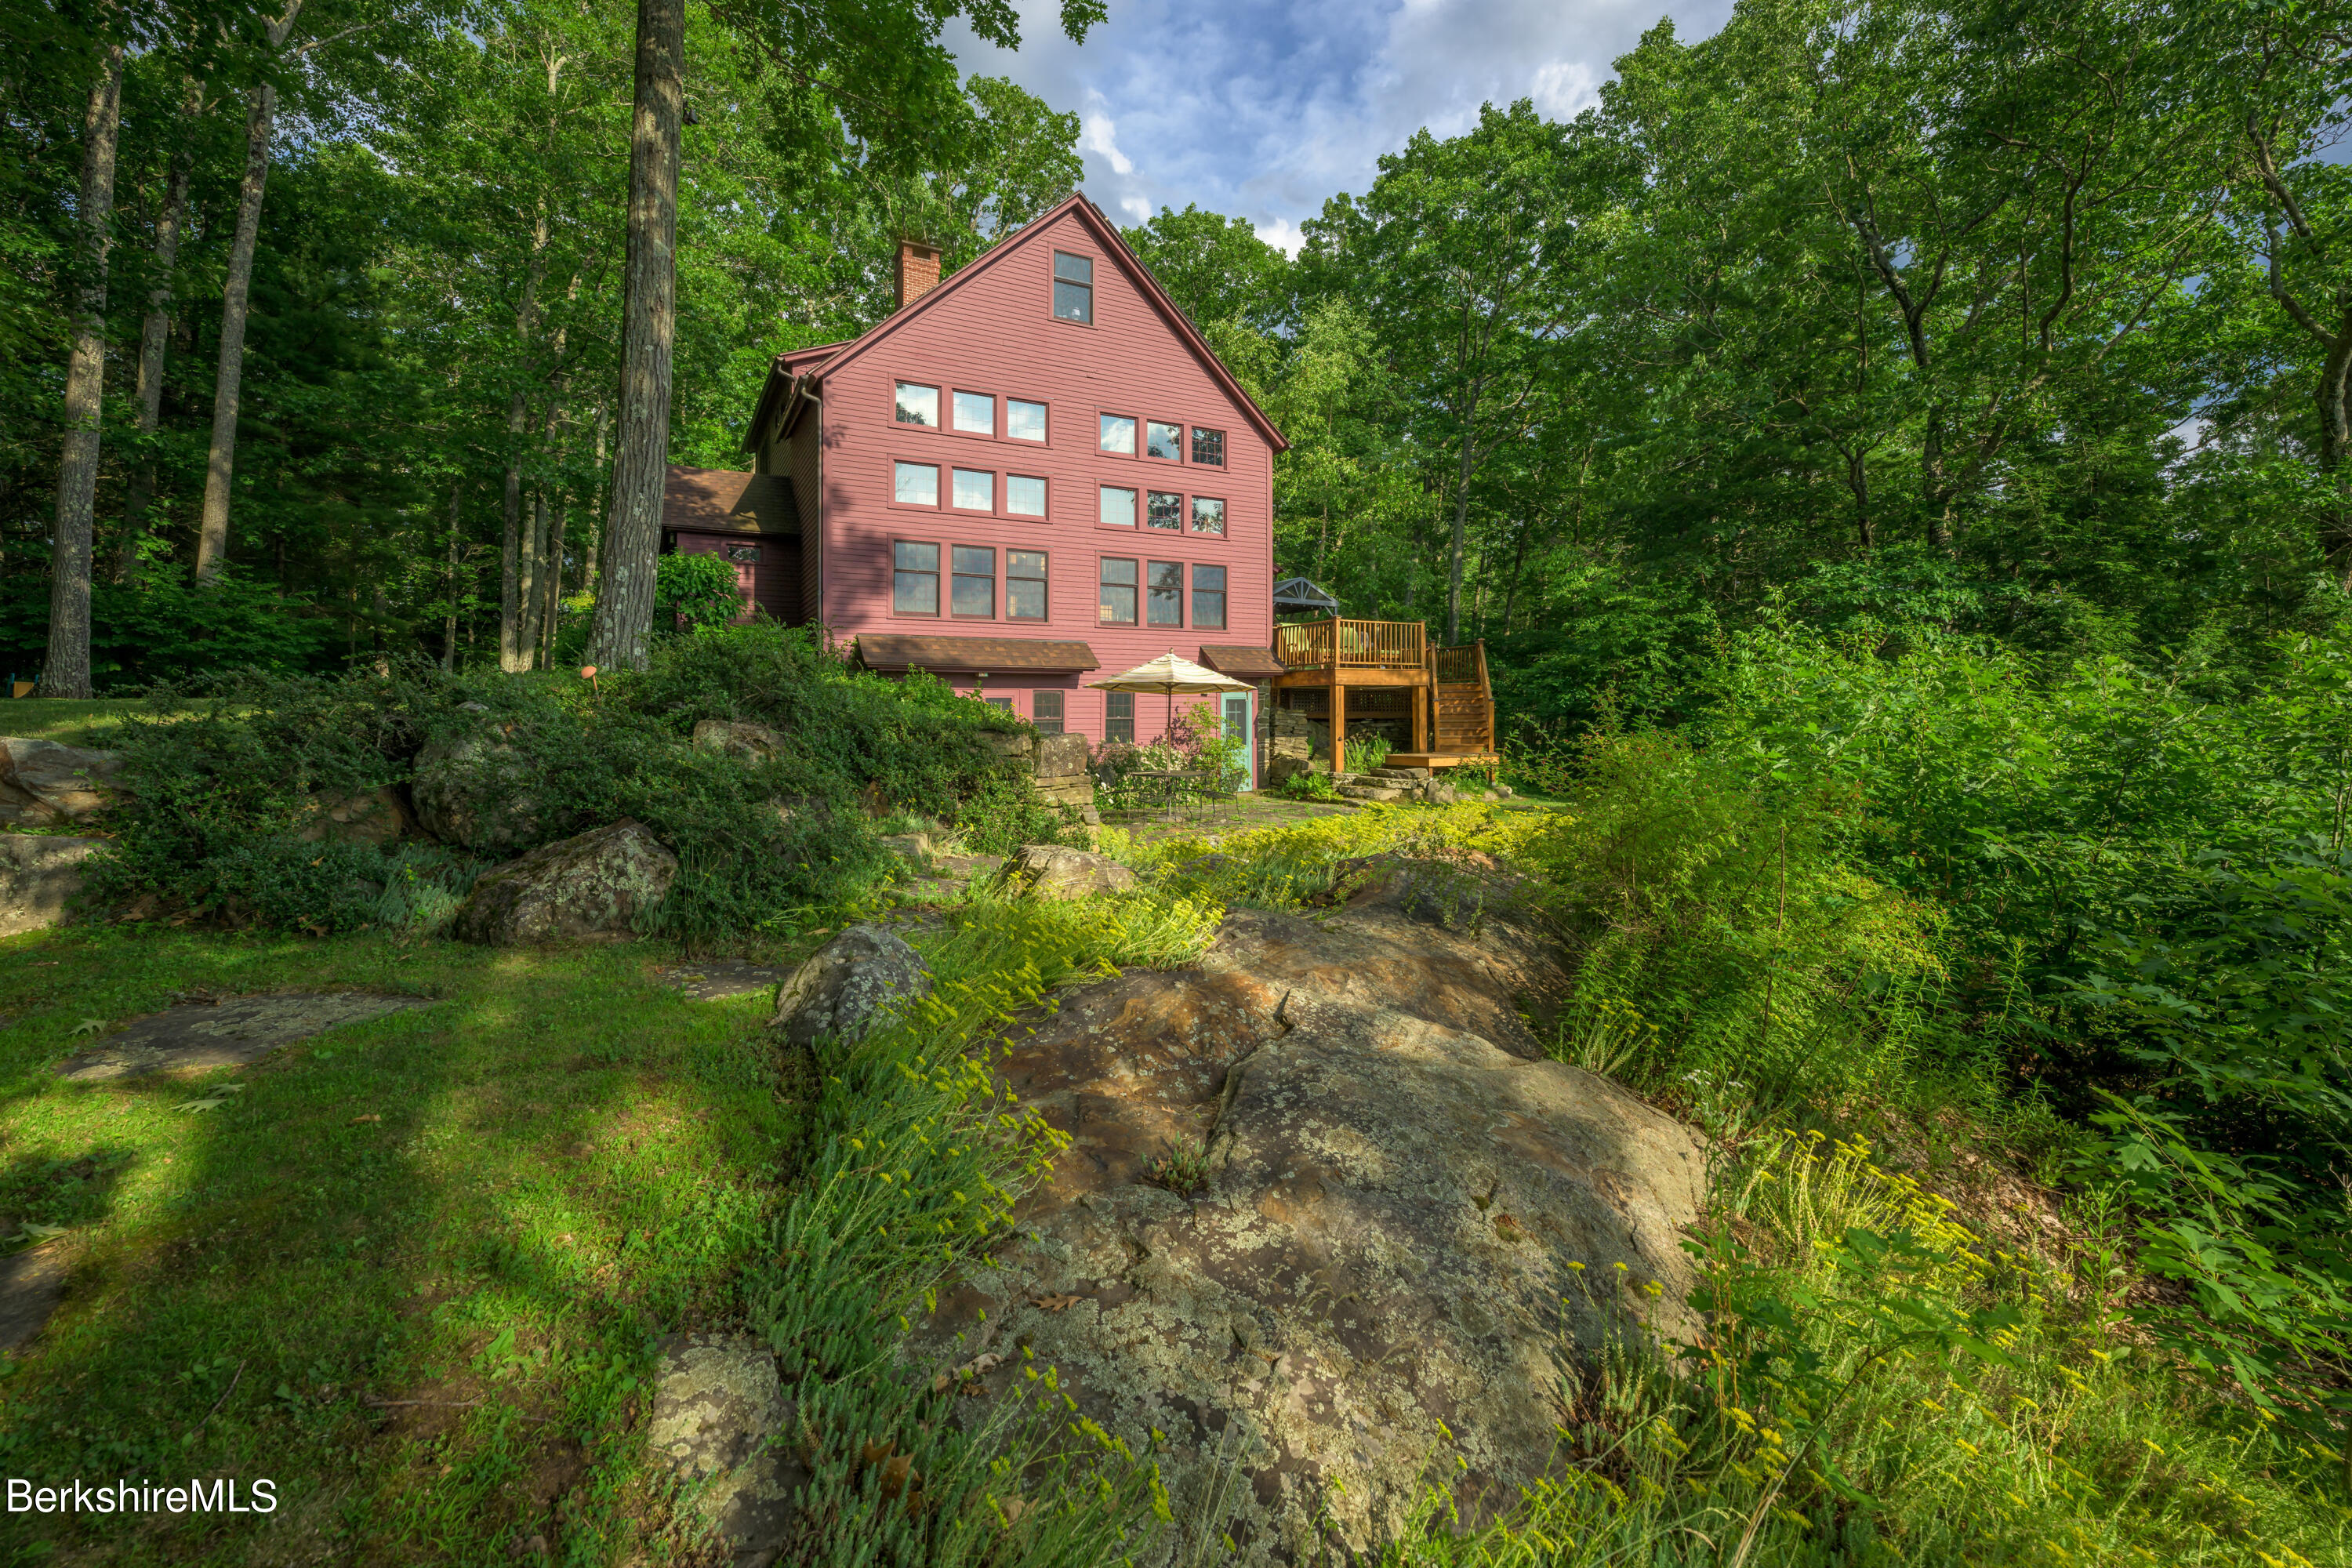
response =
{"points": [[70, 722], [481, 1211]]}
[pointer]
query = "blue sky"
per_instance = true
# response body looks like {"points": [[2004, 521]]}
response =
{"points": [[1261, 109]]}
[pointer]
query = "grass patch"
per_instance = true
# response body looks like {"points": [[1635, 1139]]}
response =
{"points": [[94, 723], [484, 1209]]}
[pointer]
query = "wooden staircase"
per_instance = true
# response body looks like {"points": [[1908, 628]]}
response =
{"points": [[1462, 706]]}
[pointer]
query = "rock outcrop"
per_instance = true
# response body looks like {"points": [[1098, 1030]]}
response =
{"points": [[364, 817], [1057, 871], [595, 884], [747, 743], [475, 791], [718, 1407], [1324, 1191], [39, 874], [849, 986], [45, 785]]}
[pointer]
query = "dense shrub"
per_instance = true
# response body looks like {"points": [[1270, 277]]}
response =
{"points": [[220, 796], [163, 629]]}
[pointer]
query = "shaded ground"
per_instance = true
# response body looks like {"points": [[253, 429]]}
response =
{"points": [[70, 723], [411, 1270]]}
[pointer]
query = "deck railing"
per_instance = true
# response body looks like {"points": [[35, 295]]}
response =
{"points": [[1345, 644]]}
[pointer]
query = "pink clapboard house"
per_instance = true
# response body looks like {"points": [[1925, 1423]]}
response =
{"points": [[1034, 473]]}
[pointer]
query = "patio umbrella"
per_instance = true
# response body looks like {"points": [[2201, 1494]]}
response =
{"points": [[1171, 674]]}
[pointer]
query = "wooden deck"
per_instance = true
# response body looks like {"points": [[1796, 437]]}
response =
{"points": [[1452, 705]]}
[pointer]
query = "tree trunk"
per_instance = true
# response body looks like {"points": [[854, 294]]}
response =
{"points": [[625, 603], [2333, 398], [449, 618], [512, 567], [212, 531], [551, 620], [534, 576], [1518, 566], [1453, 555], [154, 336], [66, 671]]}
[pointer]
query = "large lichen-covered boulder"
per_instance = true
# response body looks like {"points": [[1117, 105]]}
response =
{"points": [[1057, 871], [45, 785], [476, 791], [39, 874], [718, 1409], [1308, 1202], [595, 884], [850, 986]]}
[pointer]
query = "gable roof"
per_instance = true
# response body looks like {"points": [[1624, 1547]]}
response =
{"points": [[719, 501], [781, 370]]}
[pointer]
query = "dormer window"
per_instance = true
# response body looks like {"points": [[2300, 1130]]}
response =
{"points": [[919, 404], [1074, 288]]}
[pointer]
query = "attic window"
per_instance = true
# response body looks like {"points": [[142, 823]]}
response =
{"points": [[1208, 448], [1074, 288]]}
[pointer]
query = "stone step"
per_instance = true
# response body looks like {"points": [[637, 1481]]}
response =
{"points": [[1402, 776], [1369, 792]]}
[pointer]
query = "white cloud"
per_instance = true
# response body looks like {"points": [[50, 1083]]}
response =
{"points": [[1101, 135], [1282, 234], [1564, 90], [1264, 109]]}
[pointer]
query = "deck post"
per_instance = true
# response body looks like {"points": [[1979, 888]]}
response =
{"points": [[1339, 725], [1422, 695]]}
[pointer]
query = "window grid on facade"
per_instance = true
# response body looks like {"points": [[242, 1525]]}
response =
{"points": [[1208, 448], [1024, 421], [1209, 598], [1163, 508], [1115, 600], [915, 578], [1045, 712], [1165, 584], [974, 490], [1118, 508], [918, 404], [975, 413], [1024, 495], [1024, 585], [1073, 287], [1208, 515], [1118, 716], [915, 484], [973, 589], [1161, 439], [1115, 432]]}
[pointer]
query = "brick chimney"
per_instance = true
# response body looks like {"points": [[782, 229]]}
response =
{"points": [[918, 270]]}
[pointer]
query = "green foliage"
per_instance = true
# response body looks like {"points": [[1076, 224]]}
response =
{"points": [[220, 798], [1365, 753], [160, 629], [695, 590], [1310, 783]]}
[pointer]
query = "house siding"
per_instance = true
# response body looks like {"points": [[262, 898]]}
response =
{"points": [[804, 460], [773, 583], [997, 334]]}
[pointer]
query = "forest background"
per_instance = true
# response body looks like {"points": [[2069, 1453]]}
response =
{"points": [[1889, 450]]}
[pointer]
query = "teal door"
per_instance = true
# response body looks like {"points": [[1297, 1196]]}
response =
{"points": [[1237, 726]]}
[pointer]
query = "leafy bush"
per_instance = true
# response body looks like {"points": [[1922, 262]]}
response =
{"points": [[1309, 784], [695, 590], [219, 799], [1366, 752], [163, 629]]}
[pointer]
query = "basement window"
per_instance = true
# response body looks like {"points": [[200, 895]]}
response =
{"points": [[1045, 712]]}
